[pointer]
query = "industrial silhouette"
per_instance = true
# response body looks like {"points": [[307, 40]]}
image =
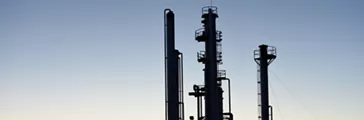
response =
{"points": [[211, 107]]}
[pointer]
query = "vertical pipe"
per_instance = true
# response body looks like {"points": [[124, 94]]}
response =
{"points": [[201, 107], [165, 66], [271, 112], [264, 82], [229, 96], [180, 74], [213, 102], [179, 85], [229, 90], [182, 89], [220, 101], [171, 68], [198, 105]]}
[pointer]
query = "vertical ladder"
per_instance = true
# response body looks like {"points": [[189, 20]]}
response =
{"points": [[259, 93]]}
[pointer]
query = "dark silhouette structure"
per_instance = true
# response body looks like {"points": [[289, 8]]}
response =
{"points": [[263, 57], [213, 92], [211, 57], [210, 95], [199, 92], [173, 71]]}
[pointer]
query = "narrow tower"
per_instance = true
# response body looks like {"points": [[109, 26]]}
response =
{"points": [[211, 57], [263, 57], [173, 71]]}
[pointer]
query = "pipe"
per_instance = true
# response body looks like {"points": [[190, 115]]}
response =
{"points": [[165, 63], [230, 115], [271, 112], [229, 90], [181, 85], [198, 108]]}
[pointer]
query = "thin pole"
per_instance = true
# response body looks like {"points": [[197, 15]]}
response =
{"points": [[229, 89], [165, 64], [198, 106], [183, 104]]}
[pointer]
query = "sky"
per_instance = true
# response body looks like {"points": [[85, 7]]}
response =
{"points": [[103, 60]]}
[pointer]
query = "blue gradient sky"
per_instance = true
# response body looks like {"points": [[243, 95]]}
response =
{"points": [[103, 60]]}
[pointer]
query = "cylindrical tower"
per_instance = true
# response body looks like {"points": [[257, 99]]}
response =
{"points": [[263, 57], [213, 99], [211, 58], [171, 68]]}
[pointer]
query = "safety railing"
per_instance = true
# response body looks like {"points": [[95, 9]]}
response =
{"points": [[201, 56], [218, 35], [221, 73], [205, 10]]}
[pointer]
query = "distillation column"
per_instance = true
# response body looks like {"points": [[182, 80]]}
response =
{"points": [[263, 57], [213, 100], [209, 57], [172, 70]]}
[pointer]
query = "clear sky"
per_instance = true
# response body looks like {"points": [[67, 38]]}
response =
{"points": [[103, 60]]}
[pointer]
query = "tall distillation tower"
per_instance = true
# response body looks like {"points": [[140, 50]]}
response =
{"points": [[211, 57], [263, 57], [173, 71]]}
